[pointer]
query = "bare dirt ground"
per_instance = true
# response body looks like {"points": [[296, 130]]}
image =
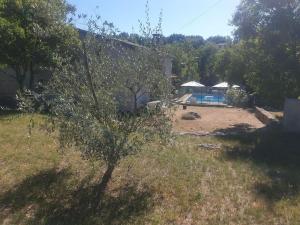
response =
{"points": [[215, 119]]}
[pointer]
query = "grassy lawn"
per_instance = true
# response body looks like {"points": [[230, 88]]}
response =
{"points": [[252, 179]]}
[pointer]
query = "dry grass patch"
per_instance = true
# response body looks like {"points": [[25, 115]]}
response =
{"points": [[178, 184]]}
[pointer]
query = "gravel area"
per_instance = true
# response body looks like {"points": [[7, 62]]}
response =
{"points": [[215, 119]]}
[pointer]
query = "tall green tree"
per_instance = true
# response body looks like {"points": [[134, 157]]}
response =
{"points": [[219, 40], [33, 33], [194, 62], [185, 61], [206, 58], [229, 64], [271, 32]]}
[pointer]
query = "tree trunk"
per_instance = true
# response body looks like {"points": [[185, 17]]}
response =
{"points": [[88, 74], [19, 78], [103, 184], [31, 81], [135, 103]]}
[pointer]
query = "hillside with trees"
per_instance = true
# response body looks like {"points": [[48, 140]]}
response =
{"points": [[193, 56]]}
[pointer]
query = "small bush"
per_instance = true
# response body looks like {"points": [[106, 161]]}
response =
{"points": [[193, 100], [32, 101], [237, 98]]}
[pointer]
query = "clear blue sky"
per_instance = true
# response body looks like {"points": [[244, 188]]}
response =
{"points": [[190, 17]]}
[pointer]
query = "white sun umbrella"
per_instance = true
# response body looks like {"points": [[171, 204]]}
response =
{"points": [[236, 86], [222, 85], [192, 84]]}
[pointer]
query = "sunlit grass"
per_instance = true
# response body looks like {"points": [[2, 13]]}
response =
{"points": [[176, 184]]}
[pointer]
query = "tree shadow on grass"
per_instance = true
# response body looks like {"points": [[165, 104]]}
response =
{"points": [[8, 114], [239, 128], [275, 153], [47, 198]]}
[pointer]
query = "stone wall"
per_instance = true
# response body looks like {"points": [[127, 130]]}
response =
{"points": [[264, 116], [291, 120]]}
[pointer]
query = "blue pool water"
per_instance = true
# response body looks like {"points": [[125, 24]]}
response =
{"points": [[207, 99]]}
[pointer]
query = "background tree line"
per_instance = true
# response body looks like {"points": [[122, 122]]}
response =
{"points": [[263, 57], [193, 56]]}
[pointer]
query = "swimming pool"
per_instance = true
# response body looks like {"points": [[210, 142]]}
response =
{"points": [[206, 99]]}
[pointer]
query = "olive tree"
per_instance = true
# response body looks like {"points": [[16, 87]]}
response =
{"points": [[87, 97], [140, 73]]}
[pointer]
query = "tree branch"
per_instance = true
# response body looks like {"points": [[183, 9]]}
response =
{"points": [[88, 74]]}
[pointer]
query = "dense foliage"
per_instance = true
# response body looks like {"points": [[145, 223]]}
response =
{"points": [[267, 56], [33, 33], [194, 60], [264, 58], [237, 97], [193, 56]]}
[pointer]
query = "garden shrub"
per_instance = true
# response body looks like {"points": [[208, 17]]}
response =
{"points": [[237, 97]]}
